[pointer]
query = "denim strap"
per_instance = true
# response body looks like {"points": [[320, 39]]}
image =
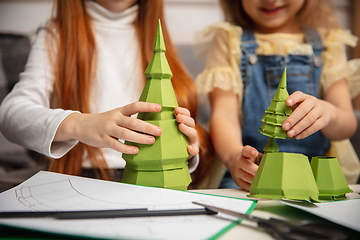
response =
{"points": [[312, 37], [248, 47]]}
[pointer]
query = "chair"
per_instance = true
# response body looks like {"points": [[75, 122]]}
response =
{"points": [[16, 164]]}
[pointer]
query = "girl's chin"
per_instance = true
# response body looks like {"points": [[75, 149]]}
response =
{"points": [[272, 27]]}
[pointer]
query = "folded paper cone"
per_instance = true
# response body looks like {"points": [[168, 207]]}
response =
{"points": [[329, 178], [284, 176]]}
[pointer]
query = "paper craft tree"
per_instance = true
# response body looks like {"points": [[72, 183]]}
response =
{"points": [[282, 175], [164, 163]]}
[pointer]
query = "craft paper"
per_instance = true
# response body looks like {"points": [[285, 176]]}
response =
{"points": [[60, 192]]}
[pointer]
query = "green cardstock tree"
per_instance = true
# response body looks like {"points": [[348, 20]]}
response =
{"points": [[282, 175], [164, 163]]}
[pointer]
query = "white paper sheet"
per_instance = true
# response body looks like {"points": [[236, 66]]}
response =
{"points": [[344, 212], [47, 191]]}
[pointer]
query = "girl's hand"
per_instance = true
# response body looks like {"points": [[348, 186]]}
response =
{"points": [[245, 166], [104, 130], [309, 115], [187, 127]]}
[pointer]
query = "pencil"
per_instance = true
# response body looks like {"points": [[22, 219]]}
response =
{"points": [[137, 212]]}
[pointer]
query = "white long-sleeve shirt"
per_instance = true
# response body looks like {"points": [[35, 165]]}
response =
{"points": [[25, 114]]}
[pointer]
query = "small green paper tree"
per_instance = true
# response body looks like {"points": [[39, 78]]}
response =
{"points": [[275, 115], [164, 163]]}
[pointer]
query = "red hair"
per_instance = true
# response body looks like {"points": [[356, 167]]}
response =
{"points": [[74, 67]]}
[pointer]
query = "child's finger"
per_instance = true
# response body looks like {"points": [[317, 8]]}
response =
{"points": [[299, 113], [138, 125], [310, 120], [193, 149], [245, 176], [248, 165], [190, 133], [295, 97], [243, 185], [137, 107], [249, 152], [187, 120], [181, 110], [116, 145], [132, 136], [316, 126]]}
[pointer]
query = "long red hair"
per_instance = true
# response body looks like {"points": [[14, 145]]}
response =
{"points": [[75, 65]]}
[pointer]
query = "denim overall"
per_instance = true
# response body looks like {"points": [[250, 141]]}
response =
{"points": [[261, 75]]}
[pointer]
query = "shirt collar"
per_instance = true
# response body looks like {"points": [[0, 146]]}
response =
{"points": [[99, 14]]}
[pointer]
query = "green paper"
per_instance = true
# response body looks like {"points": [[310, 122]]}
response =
{"points": [[284, 175], [329, 178], [164, 163]]}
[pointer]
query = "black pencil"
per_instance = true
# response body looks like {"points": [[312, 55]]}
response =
{"points": [[137, 212]]}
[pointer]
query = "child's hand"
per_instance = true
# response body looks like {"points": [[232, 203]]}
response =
{"points": [[187, 127], [104, 130], [309, 115], [245, 166]]}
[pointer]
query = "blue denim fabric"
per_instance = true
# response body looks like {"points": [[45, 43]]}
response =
{"points": [[261, 75]]}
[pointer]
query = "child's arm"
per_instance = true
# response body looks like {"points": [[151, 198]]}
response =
{"points": [[334, 115], [226, 136], [104, 129]]}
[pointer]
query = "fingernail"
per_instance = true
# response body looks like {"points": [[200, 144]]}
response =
{"points": [[291, 133], [286, 126], [135, 150], [157, 107], [150, 140], [290, 101], [299, 136], [158, 131], [189, 149]]}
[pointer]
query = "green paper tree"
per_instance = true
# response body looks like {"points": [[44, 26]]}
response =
{"points": [[282, 175], [164, 163], [275, 115]]}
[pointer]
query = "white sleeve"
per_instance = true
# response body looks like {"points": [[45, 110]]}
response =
{"points": [[25, 115], [193, 163]]}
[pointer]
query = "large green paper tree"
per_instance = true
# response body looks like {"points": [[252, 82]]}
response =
{"points": [[164, 163], [282, 175]]}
